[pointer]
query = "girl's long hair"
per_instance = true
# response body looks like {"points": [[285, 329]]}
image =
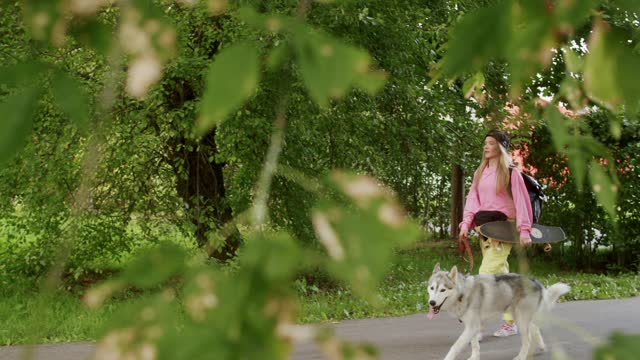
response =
{"points": [[503, 174]]}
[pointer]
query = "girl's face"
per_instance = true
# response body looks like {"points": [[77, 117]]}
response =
{"points": [[491, 148]]}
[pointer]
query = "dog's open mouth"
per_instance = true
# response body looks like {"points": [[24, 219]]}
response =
{"points": [[434, 310]]}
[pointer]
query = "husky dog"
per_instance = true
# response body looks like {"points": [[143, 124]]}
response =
{"points": [[474, 299]]}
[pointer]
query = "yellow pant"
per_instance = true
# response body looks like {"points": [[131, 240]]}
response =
{"points": [[494, 261]]}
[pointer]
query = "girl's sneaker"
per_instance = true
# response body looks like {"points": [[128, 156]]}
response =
{"points": [[506, 330]]}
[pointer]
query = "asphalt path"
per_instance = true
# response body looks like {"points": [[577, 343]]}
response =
{"points": [[573, 329]]}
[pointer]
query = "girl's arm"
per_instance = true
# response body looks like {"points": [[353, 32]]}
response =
{"points": [[524, 213], [471, 207]]}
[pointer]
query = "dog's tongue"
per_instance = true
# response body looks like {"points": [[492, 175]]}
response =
{"points": [[431, 314]]}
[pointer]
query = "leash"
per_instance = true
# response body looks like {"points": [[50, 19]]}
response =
{"points": [[465, 248]]}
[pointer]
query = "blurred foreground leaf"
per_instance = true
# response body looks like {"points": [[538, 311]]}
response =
{"points": [[619, 347], [72, 99], [610, 67], [360, 229], [233, 77], [18, 111]]}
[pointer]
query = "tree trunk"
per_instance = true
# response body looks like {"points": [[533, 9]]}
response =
{"points": [[457, 199], [200, 183], [443, 217], [427, 205]]}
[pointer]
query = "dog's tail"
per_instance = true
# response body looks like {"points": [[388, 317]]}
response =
{"points": [[553, 293]]}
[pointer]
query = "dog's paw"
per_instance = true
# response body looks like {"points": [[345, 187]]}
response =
{"points": [[537, 347], [474, 357]]}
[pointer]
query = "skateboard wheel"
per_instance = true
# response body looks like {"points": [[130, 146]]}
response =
{"points": [[536, 233], [547, 247]]}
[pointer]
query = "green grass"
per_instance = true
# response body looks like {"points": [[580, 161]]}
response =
{"points": [[402, 292], [62, 318]]}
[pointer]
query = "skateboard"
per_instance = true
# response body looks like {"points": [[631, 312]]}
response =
{"points": [[506, 231]]}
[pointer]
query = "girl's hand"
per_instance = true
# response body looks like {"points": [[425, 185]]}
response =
{"points": [[464, 234], [525, 241]]}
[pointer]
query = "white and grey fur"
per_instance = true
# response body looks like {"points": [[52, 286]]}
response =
{"points": [[474, 299]]}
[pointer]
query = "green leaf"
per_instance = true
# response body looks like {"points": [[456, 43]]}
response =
{"points": [[604, 187], [629, 5], [360, 229], [275, 254], [232, 79], [14, 75], [329, 67], [71, 98], [595, 147], [155, 266], [615, 127], [371, 82], [618, 347], [272, 23], [277, 56], [468, 49], [524, 33], [94, 34], [566, 143], [573, 61], [42, 17], [570, 89], [569, 14], [149, 9], [558, 126], [472, 84], [610, 67], [531, 44], [577, 163], [18, 111]]}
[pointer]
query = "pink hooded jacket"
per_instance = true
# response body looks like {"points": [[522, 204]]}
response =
{"points": [[484, 198]]}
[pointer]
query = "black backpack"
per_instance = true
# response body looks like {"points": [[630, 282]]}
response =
{"points": [[536, 195]]}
